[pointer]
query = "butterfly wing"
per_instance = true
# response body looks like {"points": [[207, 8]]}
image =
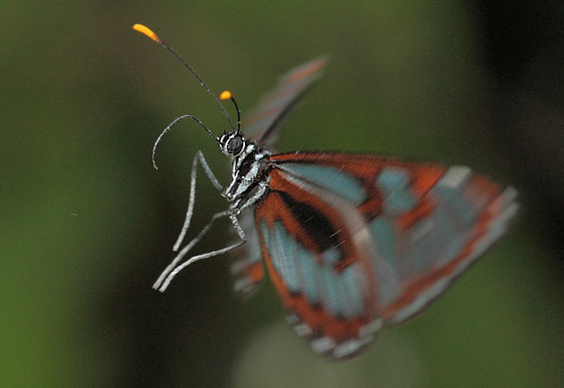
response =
{"points": [[354, 243], [274, 107], [246, 267], [319, 264], [262, 125]]}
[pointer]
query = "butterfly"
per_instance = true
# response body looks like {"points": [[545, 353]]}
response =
{"points": [[353, 243]]}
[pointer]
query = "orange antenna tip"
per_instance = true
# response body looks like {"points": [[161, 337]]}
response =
{"points": [[226, 95], [146, 31]]}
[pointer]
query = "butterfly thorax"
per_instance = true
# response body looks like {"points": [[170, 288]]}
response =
{"points": [[249, 170]]}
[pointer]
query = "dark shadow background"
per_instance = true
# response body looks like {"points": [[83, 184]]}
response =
{"points": [[87, 224]]}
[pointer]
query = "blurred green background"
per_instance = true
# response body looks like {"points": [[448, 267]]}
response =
{"points": [[87, 224]]}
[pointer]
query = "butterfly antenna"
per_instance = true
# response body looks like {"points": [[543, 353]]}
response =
{"points": [[168, 129], [226, 95], [146, 31]]}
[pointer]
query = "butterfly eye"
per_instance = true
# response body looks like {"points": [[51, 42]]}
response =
{"points": [[235, 145]]}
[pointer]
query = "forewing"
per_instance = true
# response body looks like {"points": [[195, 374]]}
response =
{"points": [[318, 253], [406, 230], [273, 108]]}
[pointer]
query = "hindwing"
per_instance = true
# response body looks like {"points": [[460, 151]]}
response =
{"points": [[246, 267], [354, 243]]}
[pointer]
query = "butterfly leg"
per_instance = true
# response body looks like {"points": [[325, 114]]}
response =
{"points": [[173, 268], [190, 211]]}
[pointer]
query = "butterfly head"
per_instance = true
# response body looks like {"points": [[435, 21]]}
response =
{"points": [[232, 143]]}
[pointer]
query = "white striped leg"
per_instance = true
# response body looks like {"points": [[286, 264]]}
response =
{"points": [[173, 268], [199, 155]]}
